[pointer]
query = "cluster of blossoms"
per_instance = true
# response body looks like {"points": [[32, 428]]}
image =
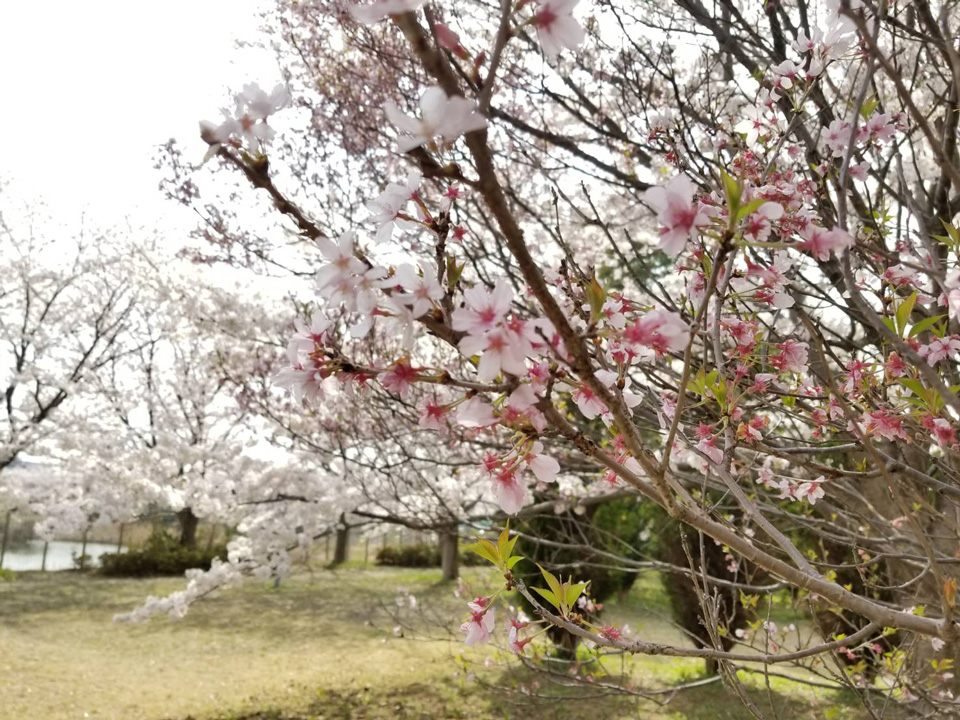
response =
{"points": [[808, 491], [248, 122], [500, 357], [773, 636], [556, 27]]}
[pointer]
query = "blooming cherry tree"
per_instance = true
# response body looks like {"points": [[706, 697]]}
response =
{"points": [[729, 295]]}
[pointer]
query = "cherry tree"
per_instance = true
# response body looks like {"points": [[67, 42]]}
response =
{"points": [[709, 252], [63, 309]]}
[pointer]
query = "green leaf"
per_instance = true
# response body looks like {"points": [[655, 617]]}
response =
{"points": [[513, 561], [454, 271], [551, 581], [903, 312], [733, 192], [914, 386], [572, 593], [596, 296], [503, 540], [889, 322], [548, 596], [925, 324], [750, 208], [952, 230], [869, 105], [481, 551]]}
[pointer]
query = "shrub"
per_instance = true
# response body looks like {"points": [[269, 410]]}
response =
{"points": [[7, 575], [419, 555], [160, 555]]}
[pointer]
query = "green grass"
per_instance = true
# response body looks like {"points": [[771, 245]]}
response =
{"points": [[320, 646]]}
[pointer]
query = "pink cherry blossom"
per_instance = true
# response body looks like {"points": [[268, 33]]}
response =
{"points": [[792, 357], [811, 491], [556, 27], [400, 376], [659, 330], [837, 137], [509, 489], [884, 424], [342, 262], [483, 309], [759, 225], [543, 466], [441, 116], [677, 211], [476, 413], [370, 13], [940, 348], [515, 643], [421, 290], [754, 124], [433, 416], [479, 626], [386, 208], [708, 444], [588, 402], [820, 242], [788, 72]]}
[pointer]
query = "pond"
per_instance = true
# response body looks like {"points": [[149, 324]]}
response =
{"points": [[60, 554]]}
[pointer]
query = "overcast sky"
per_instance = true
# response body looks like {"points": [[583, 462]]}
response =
{"points": [[91, 88]]}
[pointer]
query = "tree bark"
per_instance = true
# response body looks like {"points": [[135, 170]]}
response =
{"points": [[83, 549], [188, 527], [342, 544], [450, 553], [6, 533]]}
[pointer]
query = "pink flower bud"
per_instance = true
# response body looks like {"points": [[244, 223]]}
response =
{"points": [[447, 38]]}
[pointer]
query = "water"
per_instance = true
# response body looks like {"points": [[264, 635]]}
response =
{"points": [[59, 555]]}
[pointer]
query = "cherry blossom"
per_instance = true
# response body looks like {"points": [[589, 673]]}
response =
{"points": [[421, 291], [442, 116], [514, 641], [433, 416], [543, 466], [556, 26], [400, 377], [821, 243], [792, 357], [476, 413], [811, 491], [708, 444], [940, 348], [386, 208], [658, 330], [680, 215], [510, 490], [482, 309], [249, 121], [480, 624], [370, 13]]}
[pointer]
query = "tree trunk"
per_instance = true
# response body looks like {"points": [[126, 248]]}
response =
{"points": [[343, 543], [188, 527], [83, 549], [6, 533], [450, 554]]}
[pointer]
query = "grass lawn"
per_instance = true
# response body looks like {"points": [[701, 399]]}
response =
{"points": [[320, 646]]}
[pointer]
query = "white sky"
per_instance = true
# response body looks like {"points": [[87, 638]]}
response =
{"points": [[90, 89]]}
